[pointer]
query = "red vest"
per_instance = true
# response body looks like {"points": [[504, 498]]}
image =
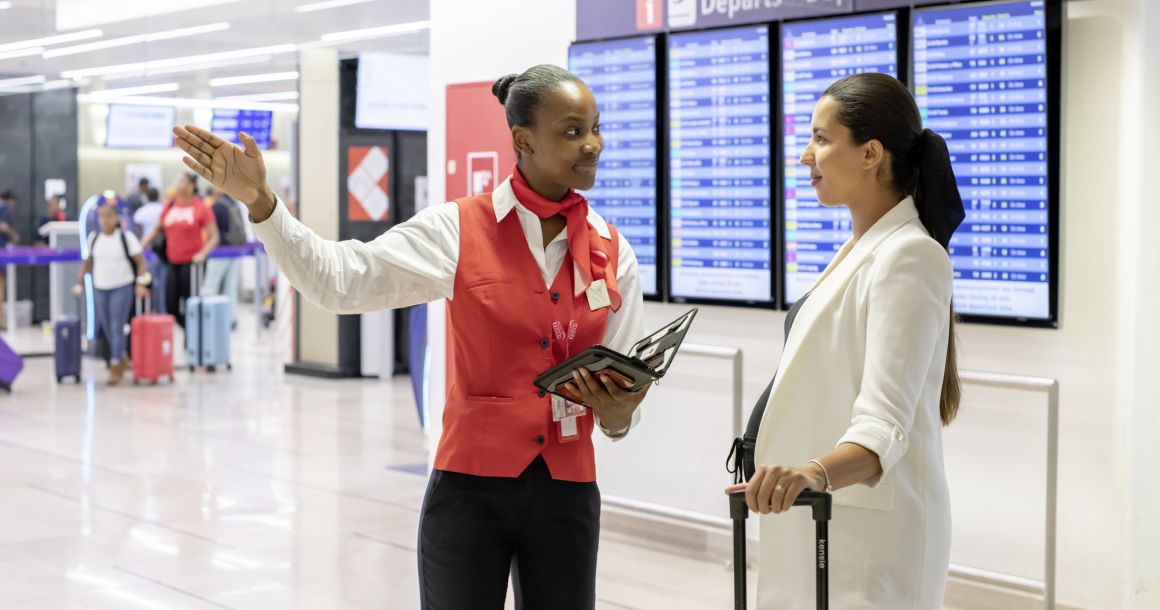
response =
{"points": [[500, 338]]}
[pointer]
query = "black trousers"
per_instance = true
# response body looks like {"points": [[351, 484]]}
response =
{"points": [[475, 531], [178, 284]]}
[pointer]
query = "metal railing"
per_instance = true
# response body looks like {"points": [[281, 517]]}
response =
{"points": [[660, 512], [1046, 587]]}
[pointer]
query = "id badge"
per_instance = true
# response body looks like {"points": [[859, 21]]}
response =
{"points": [[562, 408], [568, 430], [598, 295]]}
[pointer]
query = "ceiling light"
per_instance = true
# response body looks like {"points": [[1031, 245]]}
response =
{"points": [[149, 66], [22, 81], [136, 39], [252, 78], [58, 84], [224, 63], [377, 32], [322, 6], [142, 90], [22, 53], [283, 96], [51, 40], [185, 102], [5, 6]]}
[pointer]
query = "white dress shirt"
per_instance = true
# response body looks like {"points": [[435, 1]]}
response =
{"points": [[415, 262]]}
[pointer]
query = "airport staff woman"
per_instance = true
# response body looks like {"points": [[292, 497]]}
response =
{"points": [[868, 376], [532, 275]]}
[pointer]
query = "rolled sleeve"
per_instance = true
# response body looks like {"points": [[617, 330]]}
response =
{"points": [[907, 318], [414, 262]]}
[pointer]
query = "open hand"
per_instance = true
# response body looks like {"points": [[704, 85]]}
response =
{"points": [[239, 172]]}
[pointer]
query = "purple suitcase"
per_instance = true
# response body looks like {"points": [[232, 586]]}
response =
{"points": [[10, 366], [67, 353]]}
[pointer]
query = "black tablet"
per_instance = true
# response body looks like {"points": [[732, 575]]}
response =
{"points": [[647, 361]]}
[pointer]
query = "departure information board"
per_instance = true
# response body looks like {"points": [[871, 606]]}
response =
{"points": [[228, 122], [622, 75], [721, 240], [814, 54], [981, 81]]}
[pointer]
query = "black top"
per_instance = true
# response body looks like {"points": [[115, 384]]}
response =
{"points": [[750, 438]]}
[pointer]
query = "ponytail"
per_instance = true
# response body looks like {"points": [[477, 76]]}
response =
{"points": [[940, 207]]}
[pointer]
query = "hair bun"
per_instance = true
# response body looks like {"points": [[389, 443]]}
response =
{"points": [[502, 86]]}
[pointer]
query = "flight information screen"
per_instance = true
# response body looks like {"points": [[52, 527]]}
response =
{"points": [[622, 74], [720, 169], [228, 122], [814, 54], [980, 77]]}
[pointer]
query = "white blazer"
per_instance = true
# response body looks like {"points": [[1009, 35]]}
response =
{"points": [[864, 364]]}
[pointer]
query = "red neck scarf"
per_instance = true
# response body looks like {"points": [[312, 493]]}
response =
{"points": [[584, 243]]}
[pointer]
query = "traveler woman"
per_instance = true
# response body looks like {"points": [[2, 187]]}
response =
{"points": [[190, 234], [868, 377]]}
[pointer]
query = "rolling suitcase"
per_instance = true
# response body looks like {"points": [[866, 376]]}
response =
{"points": [[66, 354], [821, 504], [207, 327], [152, 345], [11, 364]]}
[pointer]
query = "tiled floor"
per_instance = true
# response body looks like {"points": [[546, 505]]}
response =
{"points": [[242, 490]]}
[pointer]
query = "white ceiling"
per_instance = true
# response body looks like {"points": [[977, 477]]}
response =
{"points": [[252, 24]]}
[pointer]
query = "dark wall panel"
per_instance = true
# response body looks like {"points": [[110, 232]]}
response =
{"points": [[410, 162], [38, 141], [16, 146], [55, 142]]}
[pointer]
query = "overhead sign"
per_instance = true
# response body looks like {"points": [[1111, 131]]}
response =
{"points": [[597, 19]]}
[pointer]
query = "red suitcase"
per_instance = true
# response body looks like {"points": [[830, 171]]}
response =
{"points": [[152, 346]]}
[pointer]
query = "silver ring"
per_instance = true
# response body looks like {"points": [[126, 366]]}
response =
{"points": [[779, 488]]}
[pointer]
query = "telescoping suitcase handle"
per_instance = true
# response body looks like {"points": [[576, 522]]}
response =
{"points": [[143, 306], [195, 286], [822, 506]]}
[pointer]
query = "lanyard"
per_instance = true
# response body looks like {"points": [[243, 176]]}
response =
{"points": [[565, 340]]}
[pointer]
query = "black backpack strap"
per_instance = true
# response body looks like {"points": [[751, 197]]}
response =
{"points": [[128, 257]]}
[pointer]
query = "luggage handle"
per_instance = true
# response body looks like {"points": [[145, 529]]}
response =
{"points": [[822, 507], [195, 280], [148, 305]]}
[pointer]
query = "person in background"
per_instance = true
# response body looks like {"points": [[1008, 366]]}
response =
{"points": [[53, 212], [147, 217], [141, 197], [8, 235], [221, 274], [190, 235], [119, 271]]}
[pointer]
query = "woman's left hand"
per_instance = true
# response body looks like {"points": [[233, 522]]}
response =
{"points": [[607, 395], [773, 489]]}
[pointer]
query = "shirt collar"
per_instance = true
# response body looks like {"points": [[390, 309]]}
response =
{"points": [[503, 200]]}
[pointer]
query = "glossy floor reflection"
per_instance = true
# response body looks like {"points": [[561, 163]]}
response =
{"points": [[242, 490]]}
